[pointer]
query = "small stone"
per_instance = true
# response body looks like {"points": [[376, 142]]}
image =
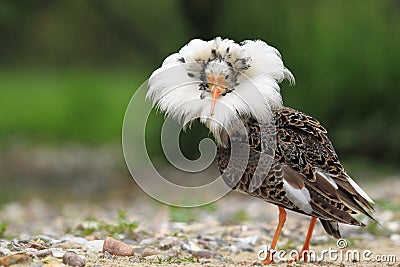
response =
{"points": [[115, 247], [190, 246], [45, 238], [5, 252], [251, 240], [209, 244], [68, 245], [43, 253], [393, 226], [207, 237], [74, 239], [168, 243], [149, 252], [2, 254], [134, 260], [395, 239], [173, 252], [108, 256], [244, 246], [95, 245], [33, 245], [231, 248], [208, 254], [158, 257], [147, 241], [94, 236], [57, 253], [13, 259], [74, 260]]}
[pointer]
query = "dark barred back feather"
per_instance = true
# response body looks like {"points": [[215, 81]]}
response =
{"points": [[304, 161]]}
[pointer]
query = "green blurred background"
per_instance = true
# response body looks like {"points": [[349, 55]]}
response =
{"points": [[69, 68]]}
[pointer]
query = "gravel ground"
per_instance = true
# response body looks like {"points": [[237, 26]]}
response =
{"points": [[80, 221], [229, 232]]}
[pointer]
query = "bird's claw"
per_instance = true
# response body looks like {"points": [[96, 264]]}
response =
{"points": [[303, 255]]}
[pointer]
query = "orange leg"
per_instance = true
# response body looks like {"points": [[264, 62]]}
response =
{"points": [[281, 222], [306, 246]]}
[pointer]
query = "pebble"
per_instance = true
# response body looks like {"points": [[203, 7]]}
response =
{"points": [[157, 258], [395, 239], [190, 246], [147, 241], [5, 251], [43, 253], [149, 252], [68, 245], [95, 245], [47, 239], [13, 259], [74, 260], [108, 256], [393, 226], [207, 237], [168, 242], [74, 239], [173, 252], [178, 240], [251, 240], [134, 260], [33, 245], [244, 246], [231, 248], [208, 254], [116, 247], [57, 252], [211, 242]]}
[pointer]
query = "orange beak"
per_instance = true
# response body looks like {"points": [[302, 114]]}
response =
{"points": [[216, 89]]}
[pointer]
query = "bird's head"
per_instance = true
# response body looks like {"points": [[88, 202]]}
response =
{"points": [[218, 82]]}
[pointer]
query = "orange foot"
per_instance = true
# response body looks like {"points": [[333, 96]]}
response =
{"points": [[303, 255], [269, 259]]}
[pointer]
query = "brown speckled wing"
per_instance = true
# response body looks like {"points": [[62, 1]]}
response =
{"points": [[304, 145], [305, 174]]}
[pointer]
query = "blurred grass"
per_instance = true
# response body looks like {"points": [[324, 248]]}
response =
{"points": [[87, 106], [60, 106], [344, 56]]}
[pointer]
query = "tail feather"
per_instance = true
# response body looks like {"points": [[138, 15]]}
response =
{"points": [[331, 227]]}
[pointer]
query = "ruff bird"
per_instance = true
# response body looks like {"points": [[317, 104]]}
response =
{"points": [[290, 162]]}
